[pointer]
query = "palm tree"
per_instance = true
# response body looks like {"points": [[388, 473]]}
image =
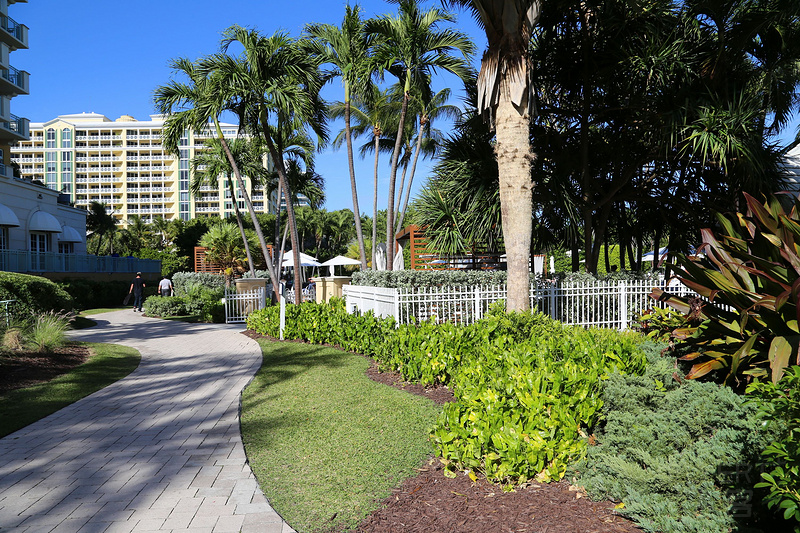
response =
{"points": [[412, 48], [428, 110], [371, 115], [224, 248], [347, 49], [504, 95], [275, 84], [211, 163], [100, 223], [191, 106]]}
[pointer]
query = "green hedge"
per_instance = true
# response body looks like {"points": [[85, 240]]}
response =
{"points": [[205, 304], [33, 294], [527, 388], [185, 282]]}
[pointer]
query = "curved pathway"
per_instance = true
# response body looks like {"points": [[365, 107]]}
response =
{"points": [[159, 450]]}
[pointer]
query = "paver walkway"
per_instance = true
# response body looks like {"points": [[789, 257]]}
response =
{"points": [[157, 451]]}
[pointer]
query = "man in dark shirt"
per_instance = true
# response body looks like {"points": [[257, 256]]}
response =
{"points": [[137, 288]]}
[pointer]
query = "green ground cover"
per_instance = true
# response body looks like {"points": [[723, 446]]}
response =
{"points": [[325, 442], [110, 363]]}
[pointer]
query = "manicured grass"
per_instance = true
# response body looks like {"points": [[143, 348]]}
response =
{"points": [[110, 363], [325, 442]]}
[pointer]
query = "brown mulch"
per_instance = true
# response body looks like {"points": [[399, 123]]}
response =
{"points": [[431, 502], [19, 369]]}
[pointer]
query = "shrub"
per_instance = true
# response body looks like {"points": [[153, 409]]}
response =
{"points": [[184, 282], [673, 453], [48, 331], [780, 404], [165, 306], [33, 294], [525, 385]]}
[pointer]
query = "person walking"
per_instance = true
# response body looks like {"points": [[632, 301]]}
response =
{"points": [[165, 287], [137, 288]]}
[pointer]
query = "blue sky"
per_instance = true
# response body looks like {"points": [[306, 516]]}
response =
{"points": [[107, 57]]}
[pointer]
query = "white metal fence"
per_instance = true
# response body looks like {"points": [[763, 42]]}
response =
{"points": [[239, 305], [598, 304]]}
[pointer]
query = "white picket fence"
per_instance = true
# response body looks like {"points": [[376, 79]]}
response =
{"points": [[239, 305], [595, 304]]}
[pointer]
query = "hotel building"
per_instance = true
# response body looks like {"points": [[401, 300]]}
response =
{"points": [[122, 164], [13, 82]]}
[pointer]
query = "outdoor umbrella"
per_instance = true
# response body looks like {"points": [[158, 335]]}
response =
{"points": [[339, 260], [305, 260]]}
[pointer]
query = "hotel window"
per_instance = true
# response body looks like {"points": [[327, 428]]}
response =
{"points": [[3, 238], [66, 247], [66, 138], [51, 138]]}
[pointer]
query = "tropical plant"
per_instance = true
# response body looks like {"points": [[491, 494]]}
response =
{"points": [[780, 405], [192, 106], [225, 248], [99, 222], [347, 50], [412, 47], [275, 84], [749, 277], [212, 163]]}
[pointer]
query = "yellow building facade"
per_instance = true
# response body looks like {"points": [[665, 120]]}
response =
{"points": [[122, 164], [13, 82]]}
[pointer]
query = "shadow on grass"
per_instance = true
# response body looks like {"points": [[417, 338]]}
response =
{"points": [[21, 407]]}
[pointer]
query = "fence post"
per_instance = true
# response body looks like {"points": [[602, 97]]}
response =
{"points": [[623, 306], [396, 295], [552, 298], [477, 303], [282, 325]]}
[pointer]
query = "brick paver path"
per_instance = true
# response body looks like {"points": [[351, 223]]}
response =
{"points": [[157, 451]]}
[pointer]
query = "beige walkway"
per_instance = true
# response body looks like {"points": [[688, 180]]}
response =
{"points": [[157, 451]]}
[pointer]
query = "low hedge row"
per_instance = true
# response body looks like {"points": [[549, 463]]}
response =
{"points": [[33, 294], [527, 388], [207, 306]]}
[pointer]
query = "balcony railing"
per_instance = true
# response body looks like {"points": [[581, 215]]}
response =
{"points": [[18, 125], [18, 78], [18, 31], [26, 261]]}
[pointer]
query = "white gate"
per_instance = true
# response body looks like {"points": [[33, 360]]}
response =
{"points": [[239, 305]]}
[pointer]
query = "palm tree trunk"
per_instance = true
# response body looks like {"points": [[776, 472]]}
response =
{"points": [[377, 136], [249, 203], [417, 150], [392, 180], [241, 228], [348, 137], [514, 158], [287, 193], [400, 194], [277, 228]]}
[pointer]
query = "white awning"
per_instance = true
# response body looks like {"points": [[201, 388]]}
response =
{"points": [[7, 217], [69, 234], [45, 222]]}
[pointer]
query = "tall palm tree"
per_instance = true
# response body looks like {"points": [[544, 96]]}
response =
{"points": [[275, 83], [428, 110], [371, 115], [412, 48], [212, 162], [504, 95], [347, 49], [191, 106]]}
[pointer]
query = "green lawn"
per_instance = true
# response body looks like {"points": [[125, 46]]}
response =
{"points": [[110, 363], [324, 440]]}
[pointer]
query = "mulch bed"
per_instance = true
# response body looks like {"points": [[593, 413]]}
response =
{"points": [[432, 502], [19, 369]]}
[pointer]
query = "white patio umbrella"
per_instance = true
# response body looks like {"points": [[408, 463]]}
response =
{"points": [[305, 260], [339, 260]]}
